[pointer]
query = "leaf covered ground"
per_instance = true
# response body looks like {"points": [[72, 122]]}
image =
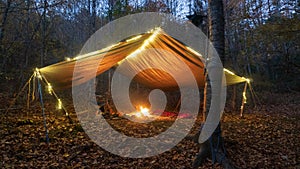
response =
{"points": [[267, 137]]}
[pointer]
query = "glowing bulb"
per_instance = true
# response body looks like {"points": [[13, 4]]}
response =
{"points": [[244, 97], [49, 87], [145, 44], [68, 59], [59, 105], [121, 61], [246, 79], [37, 73]]}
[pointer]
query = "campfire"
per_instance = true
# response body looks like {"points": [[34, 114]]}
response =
{"points": [[143, 112], [144, 115]]}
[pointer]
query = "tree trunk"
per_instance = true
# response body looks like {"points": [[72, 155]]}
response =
{"points": [[27, 32], [110, 10], [93, 16], [2, 31], [43, 55], [217, 26], [4, 19], [216, 29]]}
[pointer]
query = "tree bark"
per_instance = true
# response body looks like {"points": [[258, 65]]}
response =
{"points": [[110, 10], [216, 28], [2, 31], [27, 32], [4, 19], [43, 55], [93, 16]]}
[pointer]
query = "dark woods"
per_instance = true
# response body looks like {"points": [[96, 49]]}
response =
{"points": [[261, 36]]}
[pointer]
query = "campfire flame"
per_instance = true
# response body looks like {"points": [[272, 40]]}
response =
{"points": [[143, 112]]}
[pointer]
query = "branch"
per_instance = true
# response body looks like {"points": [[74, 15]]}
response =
{"points": [[18, 9]]}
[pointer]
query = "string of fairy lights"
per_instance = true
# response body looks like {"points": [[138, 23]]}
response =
{"points": [[147, 41], [50, 90], [244, 99], [37, 75]]}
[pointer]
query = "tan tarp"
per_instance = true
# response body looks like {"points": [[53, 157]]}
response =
{"points": [[155, 49]]}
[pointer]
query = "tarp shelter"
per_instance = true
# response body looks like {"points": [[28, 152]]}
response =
{"points": [[154, 47]]}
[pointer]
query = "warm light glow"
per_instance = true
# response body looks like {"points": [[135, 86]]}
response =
{"points": [[138, 114], [37, 73], [193, 51], [59, 105], [49, 88], [247, 80], [95, 52], [120, 62], [244, 97], [228, 71], [68, 59], [134, 38], [144, 111], [145, 44]]}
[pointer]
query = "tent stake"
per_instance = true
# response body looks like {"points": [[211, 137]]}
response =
{"points": [[244, 99], [43, 109]]}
